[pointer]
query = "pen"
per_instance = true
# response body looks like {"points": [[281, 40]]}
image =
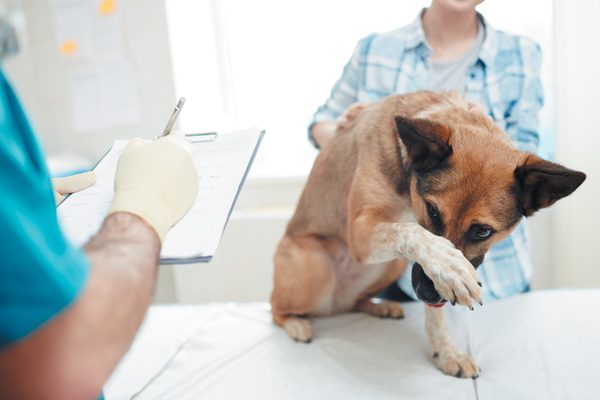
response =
{"points": [[174, 116]]}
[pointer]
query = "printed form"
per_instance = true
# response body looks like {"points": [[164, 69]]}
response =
{"points": [[222, 165]]}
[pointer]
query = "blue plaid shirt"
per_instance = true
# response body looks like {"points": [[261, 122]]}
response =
{"points": [[505, 79]]}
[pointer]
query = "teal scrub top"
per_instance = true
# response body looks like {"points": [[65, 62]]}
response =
{"points": [[40, 272]]}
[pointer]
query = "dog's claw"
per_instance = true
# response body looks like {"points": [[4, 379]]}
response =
{"points": [[457, 364], [479, 283]]}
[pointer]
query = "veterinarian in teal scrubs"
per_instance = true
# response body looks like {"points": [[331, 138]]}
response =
{"points": [[67, 315], [29, 233]]}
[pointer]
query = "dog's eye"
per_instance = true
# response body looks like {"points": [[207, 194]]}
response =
{"points": [[480, 232], [432, 211]]}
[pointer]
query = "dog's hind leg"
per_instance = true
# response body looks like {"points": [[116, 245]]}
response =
{"points": [[368, 303], [381, 308], [445, 354], [303, 280]]}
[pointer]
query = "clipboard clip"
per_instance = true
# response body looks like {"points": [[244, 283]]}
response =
{"points": [[201, 137]]}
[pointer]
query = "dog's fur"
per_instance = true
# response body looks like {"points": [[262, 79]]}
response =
{"points": [[423, 177]]}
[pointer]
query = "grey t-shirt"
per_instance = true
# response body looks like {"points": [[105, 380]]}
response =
{"points": [[451, 75]]}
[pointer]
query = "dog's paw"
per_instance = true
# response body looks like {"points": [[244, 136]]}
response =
{"points": [[299, 329], [456, 364], [453, 276], [382, 308]]}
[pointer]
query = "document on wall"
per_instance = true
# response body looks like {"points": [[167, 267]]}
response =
{"points": [[223, 162]]}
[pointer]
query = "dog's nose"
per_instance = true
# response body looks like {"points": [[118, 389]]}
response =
{"points": [[476, 261], [424, 288]]}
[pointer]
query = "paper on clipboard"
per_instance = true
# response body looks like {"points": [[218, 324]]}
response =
{"points": [[222, 163]]}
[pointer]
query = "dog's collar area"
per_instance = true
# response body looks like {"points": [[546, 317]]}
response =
{"points": [[437, 305]]}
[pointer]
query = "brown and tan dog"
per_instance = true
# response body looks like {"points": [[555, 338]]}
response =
{"points": [[421, 177]]}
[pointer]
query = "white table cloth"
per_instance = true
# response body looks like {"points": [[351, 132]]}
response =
{"points": [[542, 345]]}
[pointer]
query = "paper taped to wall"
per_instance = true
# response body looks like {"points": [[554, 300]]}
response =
{"points": [[104, 96], [222, 167]]}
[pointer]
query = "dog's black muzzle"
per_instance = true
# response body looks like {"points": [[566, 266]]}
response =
{"points": [[423, 286]]}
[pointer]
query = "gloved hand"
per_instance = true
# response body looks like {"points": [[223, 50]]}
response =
{"points": [[156, 181], [72, 184]]}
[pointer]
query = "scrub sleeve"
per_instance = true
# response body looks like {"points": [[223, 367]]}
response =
{"points": [[40, 272]]}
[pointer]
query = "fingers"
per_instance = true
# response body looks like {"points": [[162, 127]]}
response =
{"points": [[134, 143], [175, 137], [58, 197], [476, 107], [356, 108], [73, 183], [348, 116], [343, 124]]}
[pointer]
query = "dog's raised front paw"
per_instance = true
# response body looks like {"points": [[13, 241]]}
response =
{"points": [[453, 276], [456, 364]]}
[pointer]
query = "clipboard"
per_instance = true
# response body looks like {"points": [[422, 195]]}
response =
{"points": [[192, 137], [210, 137], [81, 214]]}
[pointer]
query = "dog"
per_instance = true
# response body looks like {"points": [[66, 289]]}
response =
{"points": [[425, 177]]}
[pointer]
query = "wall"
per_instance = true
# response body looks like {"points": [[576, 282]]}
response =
{"points": [[41, 75], [576, 222]]}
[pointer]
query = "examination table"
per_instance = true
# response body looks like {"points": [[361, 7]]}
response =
{"points": [[542, 345]]}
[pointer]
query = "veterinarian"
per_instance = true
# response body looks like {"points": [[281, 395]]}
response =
{"points": [[67, 315], [449, 47]]}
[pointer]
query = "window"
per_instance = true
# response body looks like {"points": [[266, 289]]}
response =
{"points": [[271, 63]]}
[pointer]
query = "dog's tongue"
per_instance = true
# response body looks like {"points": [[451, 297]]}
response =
{"points": [[437, 305]]}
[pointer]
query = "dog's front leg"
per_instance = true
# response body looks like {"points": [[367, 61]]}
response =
{"points": [[374, 241], [445, 354]]}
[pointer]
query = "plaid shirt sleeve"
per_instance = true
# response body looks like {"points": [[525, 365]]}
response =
{"points": [[522, 121], [344, 92]]}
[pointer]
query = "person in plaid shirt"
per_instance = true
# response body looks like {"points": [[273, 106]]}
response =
{"points": [[449, 47]]}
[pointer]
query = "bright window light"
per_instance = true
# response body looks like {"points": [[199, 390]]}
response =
{"points": [[271, 63]]}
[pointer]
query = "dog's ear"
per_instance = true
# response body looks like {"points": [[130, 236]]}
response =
{"points": [[540, 183], [427, 143]]}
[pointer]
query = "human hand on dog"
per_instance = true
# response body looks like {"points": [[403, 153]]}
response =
{"points": [[345, 120]]}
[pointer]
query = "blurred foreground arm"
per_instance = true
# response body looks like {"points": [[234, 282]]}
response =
{"points": [[73, 355]]}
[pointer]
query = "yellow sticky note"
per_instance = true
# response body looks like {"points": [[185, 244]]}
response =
{"points": [[68, 47], [107, 7]]}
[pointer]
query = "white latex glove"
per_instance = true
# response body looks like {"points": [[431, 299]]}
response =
{"points": [[156, 181], [72, 184]]}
